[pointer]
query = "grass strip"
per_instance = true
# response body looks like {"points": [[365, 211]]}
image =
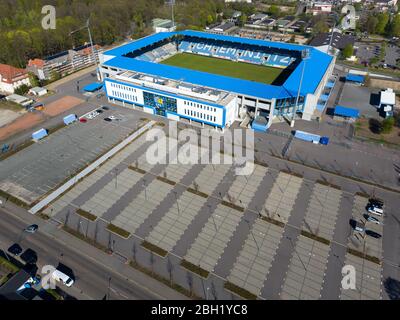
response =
{"points": [[315, 237], [165, 281], [43, 216], [292, 173], [166, 180], [86, 239], [152, 247], [273, 221], [232, 206], [363, 256], [137, 169], [119, 231], [13, 199], [239, 291], [16, 150], [7, 265], [196, 192], [362, 194], [195, 269], [86, 215], [54, 294], [326, 183]]}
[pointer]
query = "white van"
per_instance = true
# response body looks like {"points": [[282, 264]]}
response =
{"points": [[62, 277]]}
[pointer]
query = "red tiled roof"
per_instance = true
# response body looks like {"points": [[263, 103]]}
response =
{"points": [[9, 73], [36, 62]]}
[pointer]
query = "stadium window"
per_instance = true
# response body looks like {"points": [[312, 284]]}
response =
{"points": [[215, 118]]}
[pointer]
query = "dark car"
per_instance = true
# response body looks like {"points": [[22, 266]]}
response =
{"points": [[29, 256], [105, 108], [99, 111], [373, 234], [15, 249], [376, 202], [107, 119], [32, 228]]}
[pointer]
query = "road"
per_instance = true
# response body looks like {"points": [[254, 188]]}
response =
{"points": [[91, 277]]}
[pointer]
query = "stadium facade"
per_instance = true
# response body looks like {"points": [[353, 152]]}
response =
{"points": [[135, 76]]}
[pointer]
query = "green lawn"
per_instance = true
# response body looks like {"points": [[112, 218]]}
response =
{"points": [[241, 70]]}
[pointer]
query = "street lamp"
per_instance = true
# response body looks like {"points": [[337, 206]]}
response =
{"points": [[95, 60], [305, 54]]}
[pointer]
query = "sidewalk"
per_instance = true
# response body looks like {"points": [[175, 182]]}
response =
{"points": [[54, 85], [110, 262]]}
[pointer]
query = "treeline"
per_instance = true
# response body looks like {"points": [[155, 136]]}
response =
{"points": [[22, 36], [381, 23]]}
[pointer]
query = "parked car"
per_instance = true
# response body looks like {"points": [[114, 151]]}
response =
{"points": [[32, 228], [373, 234], [105, 108], [375, 202], [375, 210], [372, 219], [356, 225], [15, 249], [83, 120], [29, 256], [107, 119]]}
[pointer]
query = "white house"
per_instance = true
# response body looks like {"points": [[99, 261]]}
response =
{"points": [[12, 78]]}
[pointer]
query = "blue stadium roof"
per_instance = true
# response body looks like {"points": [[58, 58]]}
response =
{"points": [[315, 67]]}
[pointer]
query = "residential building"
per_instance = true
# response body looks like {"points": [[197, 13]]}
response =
{"points": [[12, 78]]}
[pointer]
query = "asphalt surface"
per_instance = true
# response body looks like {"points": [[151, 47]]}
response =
{"points": [[91, 278]]}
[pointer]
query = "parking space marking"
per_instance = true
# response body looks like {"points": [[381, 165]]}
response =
{"points": [[142, 206], [105, 198], [322, 211], [243, 188], [368, 280], [282, 197], [305, 276], [373, 246], [210, 177], [175, 222], [256, 256], [68, 198], [214, 237]]}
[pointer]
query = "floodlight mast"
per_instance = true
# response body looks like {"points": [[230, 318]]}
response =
{"points": [[87, 26], [305, 54]]}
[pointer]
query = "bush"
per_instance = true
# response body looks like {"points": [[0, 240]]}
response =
{"points": [[22, 90], [387, 125]]}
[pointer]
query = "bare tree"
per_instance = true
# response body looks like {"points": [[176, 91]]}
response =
{"points": [[170, 268], [134, 251], [152, 260], [189, 278]]}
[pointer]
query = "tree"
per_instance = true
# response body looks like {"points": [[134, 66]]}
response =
{"points": [[321, 27], [55, 75], [22, 89], [242, 20], [348, 51], [394, 28], [383, 20], [274, 11], [34, 80], [370, 24]]}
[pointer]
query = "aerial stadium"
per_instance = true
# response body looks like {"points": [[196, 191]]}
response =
{"points": [[216, 80]]}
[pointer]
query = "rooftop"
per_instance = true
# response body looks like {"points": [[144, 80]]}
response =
{"points": [[315, 67]]}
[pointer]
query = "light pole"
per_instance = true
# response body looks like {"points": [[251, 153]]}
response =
{"points": [[305, 54], [177, 202], [95, 60], [290, 239], [254, 238]]}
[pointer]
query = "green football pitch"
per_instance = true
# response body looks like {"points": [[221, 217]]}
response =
{"points": [[241, 70]]}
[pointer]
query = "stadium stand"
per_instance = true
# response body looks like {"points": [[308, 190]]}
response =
{"points": [[236, 53]]}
